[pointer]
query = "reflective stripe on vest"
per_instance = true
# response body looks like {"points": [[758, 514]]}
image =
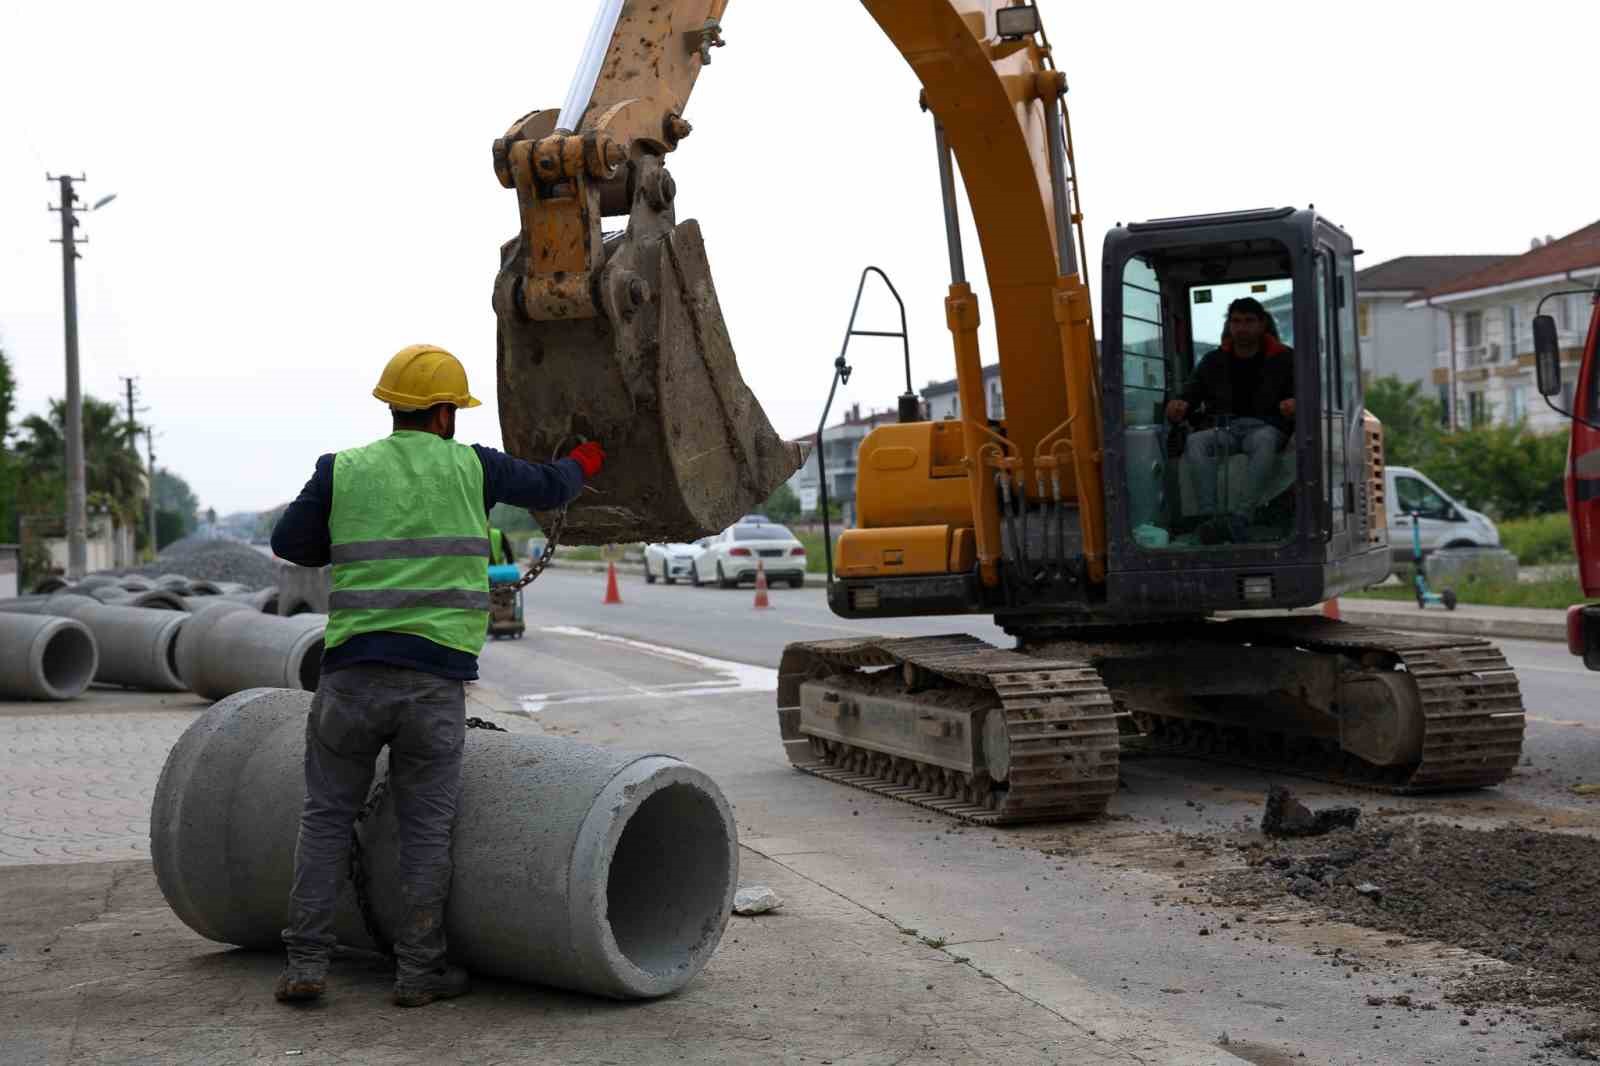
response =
{"points": [[409, 542]]}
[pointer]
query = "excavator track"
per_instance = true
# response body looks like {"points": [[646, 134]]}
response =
{"points": [[1059, 722], [1473, 718]]}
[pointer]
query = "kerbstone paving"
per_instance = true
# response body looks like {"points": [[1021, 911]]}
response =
{"points": [[76, 781]]}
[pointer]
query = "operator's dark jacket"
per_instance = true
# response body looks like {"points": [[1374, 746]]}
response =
{"points": [[1212, 384], [301, 536]]}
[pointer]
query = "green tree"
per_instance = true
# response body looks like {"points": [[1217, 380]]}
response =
{"points": [[173, 494], [115, 478], [9, 472], [1411, 431], [1507, 471], [783, 505]]}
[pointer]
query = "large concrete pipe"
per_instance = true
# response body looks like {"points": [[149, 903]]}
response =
{"points": [[137, 583], [229, 588], [229, 646], [97, 581], [575, 866], [46, 658], [24, 605], [52, 583], [204, 588], [103, 593], [137, 644]]}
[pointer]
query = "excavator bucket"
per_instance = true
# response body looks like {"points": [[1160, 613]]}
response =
{"points": [[653, 378]]}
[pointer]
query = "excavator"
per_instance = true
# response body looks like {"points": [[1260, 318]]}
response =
{"points": [[1148, 584]]}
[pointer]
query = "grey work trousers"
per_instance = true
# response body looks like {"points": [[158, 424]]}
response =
{"points": [[1207, 452], [355, 712]]}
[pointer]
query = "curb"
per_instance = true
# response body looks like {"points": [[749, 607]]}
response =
{"points": [[637, 570], [1437, 621], [1455, 624]]}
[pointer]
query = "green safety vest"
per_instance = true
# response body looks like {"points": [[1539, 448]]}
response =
{"points": [[409, 539], [497, 552]]}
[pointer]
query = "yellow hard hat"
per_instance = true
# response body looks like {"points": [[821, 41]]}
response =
{"points": [[422, 375]]}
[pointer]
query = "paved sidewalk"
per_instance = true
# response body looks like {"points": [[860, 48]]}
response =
{"points": [[1517, 623], [96, 969]]}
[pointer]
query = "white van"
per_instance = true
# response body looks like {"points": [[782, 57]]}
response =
{"points": [[1444, 522]]}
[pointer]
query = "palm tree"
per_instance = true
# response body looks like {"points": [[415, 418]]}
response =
{"points": [[113, 472]]}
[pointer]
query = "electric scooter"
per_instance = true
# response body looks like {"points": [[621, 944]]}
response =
{"points": [[1424, 595]]}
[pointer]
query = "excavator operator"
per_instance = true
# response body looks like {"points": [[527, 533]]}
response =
{"points": [[1243, 391], [404, 523]]}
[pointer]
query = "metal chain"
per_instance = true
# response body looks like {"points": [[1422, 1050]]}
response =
{"points": [[537, 567], [360, 876]]}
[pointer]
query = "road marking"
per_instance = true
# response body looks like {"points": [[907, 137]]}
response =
{"points": [[727, 677]]}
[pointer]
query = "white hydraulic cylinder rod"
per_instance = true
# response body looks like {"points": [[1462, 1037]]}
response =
{"points": [[594, 54]]}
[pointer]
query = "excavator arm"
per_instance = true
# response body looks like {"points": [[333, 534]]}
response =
{"points": [[621, 336]]}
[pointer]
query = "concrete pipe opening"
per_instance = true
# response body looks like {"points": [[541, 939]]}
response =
{"points": [[69, 661], [310, 671], [55, 658], [659, 922]]}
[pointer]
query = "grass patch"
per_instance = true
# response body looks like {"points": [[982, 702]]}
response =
{"points": [[816, 562], [580, 553], [1560, 593], [1540, 540]]}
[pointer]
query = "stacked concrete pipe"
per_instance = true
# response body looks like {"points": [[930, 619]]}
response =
{"points": [[574, 866], [155, 599], [229, 646], [137, 644], [136, 583], [47, 585], [46, 658]]}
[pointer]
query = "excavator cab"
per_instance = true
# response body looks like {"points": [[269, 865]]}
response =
{"points": [[1230, 500]]}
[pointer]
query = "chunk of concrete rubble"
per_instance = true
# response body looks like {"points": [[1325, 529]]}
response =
{"points": [[1367, 888], [756, 899], [1286, 816]]}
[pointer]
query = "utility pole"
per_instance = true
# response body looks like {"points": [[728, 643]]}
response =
{"points": [[77, 492], [133, 430], [150, 444]]}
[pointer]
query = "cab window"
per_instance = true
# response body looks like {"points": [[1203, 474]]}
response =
{"points": [[1417, 497], [1207, 436]]}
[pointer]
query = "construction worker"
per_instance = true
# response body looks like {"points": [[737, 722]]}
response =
{"points": [[404, 523], [500, 552]]}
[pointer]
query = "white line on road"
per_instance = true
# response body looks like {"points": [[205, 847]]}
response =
{"points": [[726, 676]]}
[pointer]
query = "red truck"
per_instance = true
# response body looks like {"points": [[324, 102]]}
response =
{"points": [[1583, 467]]}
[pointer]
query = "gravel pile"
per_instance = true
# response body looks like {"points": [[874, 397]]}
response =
{"points": [[212, 559], [1528, 898]]}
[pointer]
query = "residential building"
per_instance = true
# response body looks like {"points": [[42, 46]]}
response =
{"points": [[1485, 375], [109, 544], [838, 449], [940, 400], [1401, 341]]}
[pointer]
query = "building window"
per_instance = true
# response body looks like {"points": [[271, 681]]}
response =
{"points": [[1511, 331], [1477, 410], [1364, 316], [1517, 404], [1444, 406], [1472, 326]]}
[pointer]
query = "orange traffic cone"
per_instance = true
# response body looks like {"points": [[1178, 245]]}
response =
{"points": [[612, 595], [761, 585], [1330, 609]]}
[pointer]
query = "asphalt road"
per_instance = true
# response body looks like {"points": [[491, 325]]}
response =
{"points": [[1098, 914]]}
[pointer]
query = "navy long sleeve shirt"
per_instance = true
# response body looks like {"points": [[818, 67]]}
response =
{"points": [[301, 536]]}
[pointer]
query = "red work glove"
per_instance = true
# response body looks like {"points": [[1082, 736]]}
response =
{"points": [[590, 456]]}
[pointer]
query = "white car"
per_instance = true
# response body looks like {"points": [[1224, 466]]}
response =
{"points": [[668, 562], [1442, 521], [733, 555]]}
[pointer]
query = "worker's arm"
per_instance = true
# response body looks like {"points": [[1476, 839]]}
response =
{"points": [[535, 486], [301, 535]]}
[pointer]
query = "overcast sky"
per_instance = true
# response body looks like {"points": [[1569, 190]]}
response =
{"points": [[305, 188]]}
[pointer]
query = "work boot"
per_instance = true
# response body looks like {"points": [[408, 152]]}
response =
{"points": [[300, 983], [418, 990]]}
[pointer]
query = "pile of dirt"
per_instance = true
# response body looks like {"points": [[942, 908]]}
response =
{"points": [[1528, 898], [212, 559]]}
